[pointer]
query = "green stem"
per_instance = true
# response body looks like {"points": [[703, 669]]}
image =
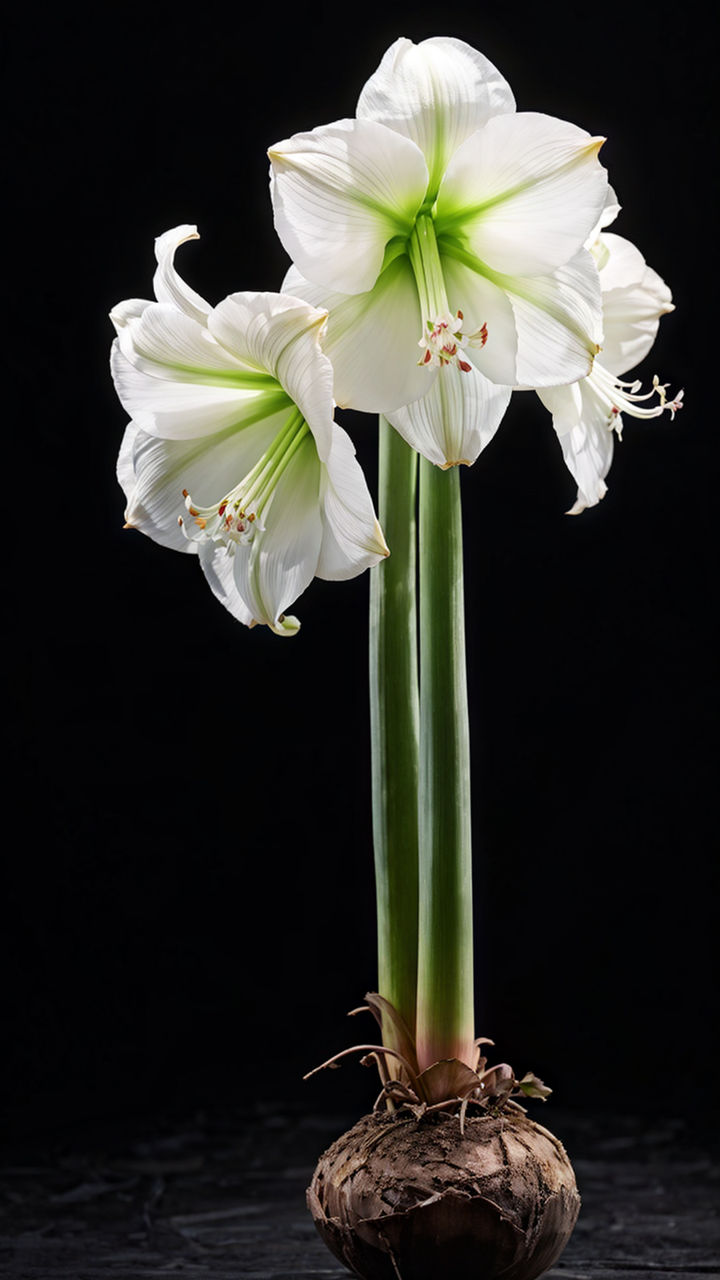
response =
{"points": [[394, 729], [445, 1008]]}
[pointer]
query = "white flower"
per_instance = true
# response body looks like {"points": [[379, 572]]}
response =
{"points": [[588, 414], [232, 451], [440, 201]]}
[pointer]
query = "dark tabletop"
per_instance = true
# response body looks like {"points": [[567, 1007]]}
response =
{"points": [[222, 1194]]}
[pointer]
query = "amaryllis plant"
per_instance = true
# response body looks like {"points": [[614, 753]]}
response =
{"points": [[446, 252]]}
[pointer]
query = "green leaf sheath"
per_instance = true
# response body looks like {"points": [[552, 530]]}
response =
{"points": [[394, 720], [445, 1012]]}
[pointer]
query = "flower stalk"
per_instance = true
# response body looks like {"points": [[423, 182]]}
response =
{"points": [[445, 1005], [394, 724], [421, 759]]}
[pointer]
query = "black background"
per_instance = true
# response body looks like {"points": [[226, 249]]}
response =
{"points": [[190, 909]]}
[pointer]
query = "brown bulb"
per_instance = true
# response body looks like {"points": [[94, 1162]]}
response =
{"points": [[397, 1198]]}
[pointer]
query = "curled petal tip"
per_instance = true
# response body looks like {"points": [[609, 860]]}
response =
{"points": [[320, 320], [381, 546], [178, 235], [456, 462], [286, 625]]}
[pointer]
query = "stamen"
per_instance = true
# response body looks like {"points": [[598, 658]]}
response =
{"points": [[228, 522], [236, 518], [445, 339], [618, 397]]}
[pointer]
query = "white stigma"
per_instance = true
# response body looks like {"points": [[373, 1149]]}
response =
{"points": [[444, 340]]}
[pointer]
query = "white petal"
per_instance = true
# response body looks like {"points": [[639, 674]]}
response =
{"points": [[340, 193], [541, 330], [154, 502], [437, 93], [137, 516], [559, 323], [634, 299], [585, 438], [623, 265], [281, 334], [352, 538], [219, 571], [372, 339], [281, 561], [123, 312], [167, 283], [164, 404], [612, 208], [456, 419], [609, 214], [484, 303], [163, 336], [154, 472], [524, 193]]}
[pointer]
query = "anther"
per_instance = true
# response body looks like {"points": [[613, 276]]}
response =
{"points": [[445, 338]]}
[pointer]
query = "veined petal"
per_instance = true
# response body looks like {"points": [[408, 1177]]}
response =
{"points": [[437, 93], [152, 516], [541, 330], [167, 283], [131, 309], [164, 342], [559, 323], [623, 264], [276, 567], [586, 440], [154, 472], [611, 209], [340, 193], [609, 213], [483, 302], [219, 570], [524, 193], [634, 298], [456, 419], [176, 409], [372, 339], [281, 334], [352, 538]]}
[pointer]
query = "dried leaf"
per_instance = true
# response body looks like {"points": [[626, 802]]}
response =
{"points": [[382, 1008], [448, 1079]]}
